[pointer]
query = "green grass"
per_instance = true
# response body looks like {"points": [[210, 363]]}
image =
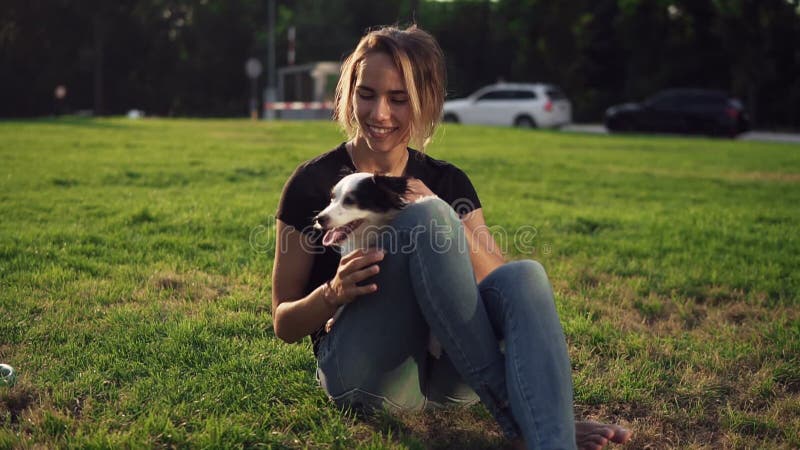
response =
{"points": [[134, 284]]}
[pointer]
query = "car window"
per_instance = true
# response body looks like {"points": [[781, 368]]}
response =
{"points": [[680, 99], [709, 100], [555, 94], [494, 95], [508, 95], [523, 95], [662, 101]]}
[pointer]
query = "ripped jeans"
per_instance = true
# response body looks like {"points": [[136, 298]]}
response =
{"points": [[376, 355]]}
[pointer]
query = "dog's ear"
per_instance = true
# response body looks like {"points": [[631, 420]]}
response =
{"points": [[393, 187]]}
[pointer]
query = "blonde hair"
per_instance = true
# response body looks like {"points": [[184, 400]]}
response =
{"points": [[419, 59]]}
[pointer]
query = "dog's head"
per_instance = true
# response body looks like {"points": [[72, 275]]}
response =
{"points": [[357, 200]]}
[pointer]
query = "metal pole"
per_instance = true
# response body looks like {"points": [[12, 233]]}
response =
{"points": [[253, 99], [291, 53], [269, 93], [99, 44]]}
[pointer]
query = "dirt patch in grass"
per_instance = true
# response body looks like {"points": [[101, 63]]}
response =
{"points": [[654, 430], [193, 286], [76, 406], [786, 177], [5, 351], [14, 402], [738, 314], [718, 295]]}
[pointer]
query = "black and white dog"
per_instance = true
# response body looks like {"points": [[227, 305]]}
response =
{"points": [[362, 205]]}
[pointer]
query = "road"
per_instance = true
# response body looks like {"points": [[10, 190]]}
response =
{"points": [[762, 136]]}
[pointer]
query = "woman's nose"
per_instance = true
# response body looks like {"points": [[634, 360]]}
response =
{"points": [[382, 110]]}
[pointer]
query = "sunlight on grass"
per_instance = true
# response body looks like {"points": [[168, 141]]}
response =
{"points": [[135, 301]]}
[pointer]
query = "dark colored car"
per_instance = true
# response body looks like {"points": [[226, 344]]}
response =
{"points": [[698, 111]]}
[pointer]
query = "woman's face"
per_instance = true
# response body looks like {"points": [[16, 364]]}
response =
{"points": [[381, 103]]}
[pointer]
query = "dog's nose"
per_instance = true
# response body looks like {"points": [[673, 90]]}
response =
{"points": [[320, 221]]}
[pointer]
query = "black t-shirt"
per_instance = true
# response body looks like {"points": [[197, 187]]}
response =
{"points": [[307, 192]]}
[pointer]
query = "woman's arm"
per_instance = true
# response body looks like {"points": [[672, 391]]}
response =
{"points": [[295, 316], [484, 251]]}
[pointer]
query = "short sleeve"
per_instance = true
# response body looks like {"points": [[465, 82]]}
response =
{"points": [[461, 196], [295, 207]]}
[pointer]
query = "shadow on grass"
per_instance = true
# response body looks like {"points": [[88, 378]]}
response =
{"points": [[466, 429]]}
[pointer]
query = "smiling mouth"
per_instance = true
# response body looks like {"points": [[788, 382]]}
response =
{"points": [[336, 236], [380, 132]]}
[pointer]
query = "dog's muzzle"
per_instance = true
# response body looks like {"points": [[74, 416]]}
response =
{"points": [[321, 221]]}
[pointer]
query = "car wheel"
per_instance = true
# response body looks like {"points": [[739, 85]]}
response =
{"points": [[524, 122], [450, 118]]}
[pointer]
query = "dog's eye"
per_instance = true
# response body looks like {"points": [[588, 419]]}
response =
{"points": [[349, 200]]}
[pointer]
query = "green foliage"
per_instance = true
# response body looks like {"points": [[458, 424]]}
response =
{"points": [[186, 58], [135, 294]]}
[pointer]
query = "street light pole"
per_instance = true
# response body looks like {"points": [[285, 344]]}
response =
{"points": [[270, 91]]}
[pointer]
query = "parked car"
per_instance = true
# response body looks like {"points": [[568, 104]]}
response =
{"points": [[517, 104], [681, 111]]}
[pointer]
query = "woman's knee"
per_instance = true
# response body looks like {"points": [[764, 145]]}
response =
{"points": [[524, 283], [372, 381], [426, 212], [523, 271]]}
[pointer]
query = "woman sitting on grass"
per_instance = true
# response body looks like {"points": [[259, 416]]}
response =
{"points": [[376, 355]]}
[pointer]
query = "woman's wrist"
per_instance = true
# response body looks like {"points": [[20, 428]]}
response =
{"points": [[329, 295]]}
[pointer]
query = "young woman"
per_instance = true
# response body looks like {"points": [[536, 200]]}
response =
{"points": [[453, 283]]}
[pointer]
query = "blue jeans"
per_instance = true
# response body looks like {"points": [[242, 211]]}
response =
{"points": [[376, 355]]}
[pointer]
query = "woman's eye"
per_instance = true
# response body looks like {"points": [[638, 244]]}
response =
{"points": [[399, 99], [365, 96]]}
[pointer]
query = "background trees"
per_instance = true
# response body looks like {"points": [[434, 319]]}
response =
{"points": [[185, 57]]}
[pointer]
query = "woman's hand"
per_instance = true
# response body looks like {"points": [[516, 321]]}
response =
{"points": [[354, 267], [416, 189]]}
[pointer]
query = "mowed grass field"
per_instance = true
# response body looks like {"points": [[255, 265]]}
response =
{"points": [[135, 261]]}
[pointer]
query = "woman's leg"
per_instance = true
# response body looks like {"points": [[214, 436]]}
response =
{"points": [[520, 303], [445, 387], [518, 296], [443, 283], [377, 349], [375, 355]]}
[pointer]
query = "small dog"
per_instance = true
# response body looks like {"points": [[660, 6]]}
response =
{"points": [[361, 205]]}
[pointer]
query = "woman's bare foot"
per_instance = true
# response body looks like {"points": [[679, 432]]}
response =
{"points": [[591, 435]]}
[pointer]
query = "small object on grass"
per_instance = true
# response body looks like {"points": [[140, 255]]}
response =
{"points": [[7, 375]]}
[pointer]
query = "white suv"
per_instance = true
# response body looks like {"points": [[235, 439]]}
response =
{"points": [[521, 105]]}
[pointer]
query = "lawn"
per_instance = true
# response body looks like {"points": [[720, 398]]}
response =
{"points": [[135, 291]]}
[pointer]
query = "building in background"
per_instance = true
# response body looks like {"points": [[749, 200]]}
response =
{"points": [[306, 91]]}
